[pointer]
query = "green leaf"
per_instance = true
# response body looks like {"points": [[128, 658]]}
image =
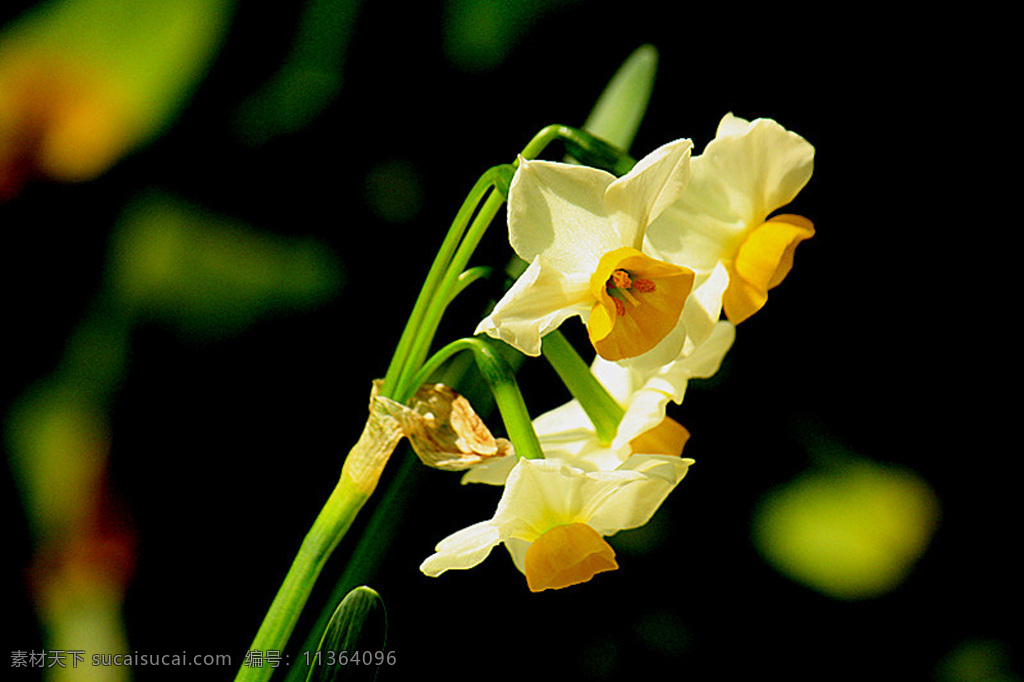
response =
{"points": [[352, 646], [616, 116]]}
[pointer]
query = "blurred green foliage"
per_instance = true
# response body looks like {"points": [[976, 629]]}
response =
{"points": [[200, 273], [310, 76], [208, 274], [480, 34], [977, 660], [393, 191]]}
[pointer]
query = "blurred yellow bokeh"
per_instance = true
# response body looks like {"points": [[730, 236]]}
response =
{"points": [[852, 532]]}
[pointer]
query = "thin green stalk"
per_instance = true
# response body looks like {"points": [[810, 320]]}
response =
{"points": [[542, 139], [435, 310], [428, 293], [327, 530], [604, 411], [468, 277]]}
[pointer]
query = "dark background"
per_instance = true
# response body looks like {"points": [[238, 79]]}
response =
{"points": [[225, 449]]}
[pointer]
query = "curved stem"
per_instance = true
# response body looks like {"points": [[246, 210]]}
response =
{"points": [[428, 293], [604, 411], [468, 277], [436, 307]]}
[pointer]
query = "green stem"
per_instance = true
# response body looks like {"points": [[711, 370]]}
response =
{"points": [[603, 410], [502, 381], [468, 277], [399, 366], [330, 525], [435, 310], [583, 146], [542, 139]]}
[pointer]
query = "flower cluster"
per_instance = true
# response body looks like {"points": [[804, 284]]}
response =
{"points": [[660, 264]]}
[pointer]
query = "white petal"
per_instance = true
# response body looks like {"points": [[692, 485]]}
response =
{"points": [[543, 493], [539, 494], [654, 184], [463, 549], [731, 125], [616, 378], [494, 471], [748, 171], [698, 361], [703, 309], [646, 410], [644, 481], [696, 236], [668, 468], [517, 549], [539, 301], [761, 162], [558, 210], [564, 431], [706, 358], [644, 402]]}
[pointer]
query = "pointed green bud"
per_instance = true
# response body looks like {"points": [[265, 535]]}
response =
{"points": [[616, 116], [352, 646]]}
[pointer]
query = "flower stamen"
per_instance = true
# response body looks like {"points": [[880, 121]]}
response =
{"points": [[619, 284], [620, 279], [644, 286], [629, 297], [656, 292]]}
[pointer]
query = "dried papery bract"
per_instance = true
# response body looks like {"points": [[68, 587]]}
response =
{"points": [[445, 431], [365, 461]]}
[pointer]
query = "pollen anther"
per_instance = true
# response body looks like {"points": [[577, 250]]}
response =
{"points": [[644, 286], [619, 284], [620, 279]]}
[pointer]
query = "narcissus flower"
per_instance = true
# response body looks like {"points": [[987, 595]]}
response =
{"points": [[553, 517], [567, 433], [581, 230], [724, 219]]}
